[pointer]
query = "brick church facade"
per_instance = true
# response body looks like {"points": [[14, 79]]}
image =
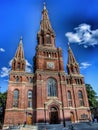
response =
{"points": [[49, 94]]}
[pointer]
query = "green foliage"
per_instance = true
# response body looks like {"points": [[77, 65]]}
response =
{"points": [[3, 98], [92, 98], [2, 105]]}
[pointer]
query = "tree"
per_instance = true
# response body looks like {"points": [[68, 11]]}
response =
{"points": [[2, 105], [92, 96]]}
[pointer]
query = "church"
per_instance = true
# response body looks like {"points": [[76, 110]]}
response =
{"points": [[49, 94]]}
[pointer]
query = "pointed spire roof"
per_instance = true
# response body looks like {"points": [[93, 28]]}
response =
{"points": [[71, 58], [20, 51], [45, 24], [18, 62]]}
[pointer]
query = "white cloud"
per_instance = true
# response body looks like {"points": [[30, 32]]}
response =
{"points": [[84, 65], [28, 69], [2, 50], [10, 62], [73, 37], [4, 72], [28, 66], [83, 35]]}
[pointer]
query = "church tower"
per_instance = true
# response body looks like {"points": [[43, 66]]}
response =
{"points": [[50, 75], [47, 55], [20, 87], [76, 90]]}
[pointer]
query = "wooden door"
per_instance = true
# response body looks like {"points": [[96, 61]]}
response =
{"points": [[54, 119], [29, 119], [72, 117]]}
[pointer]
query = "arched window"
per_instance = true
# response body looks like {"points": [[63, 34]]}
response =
{"points": [[80, 81], [16, 98], [52, 87], [72, 69], [63, 78], [23, 66], [80, 96], [67, 81], [76, 69], [30, 98], [69, 95], [69, 98], [30, 80], [17, 79], [18, 67], [48, 39], [14, 64]]}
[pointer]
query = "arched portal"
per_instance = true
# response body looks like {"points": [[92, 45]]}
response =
{"points": [[54, 115], [29, 118], [72, 117]]}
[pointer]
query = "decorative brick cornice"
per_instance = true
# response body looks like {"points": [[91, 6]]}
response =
{"points": [[21, 83], [78, 108], [21, 73], [74, 75]]}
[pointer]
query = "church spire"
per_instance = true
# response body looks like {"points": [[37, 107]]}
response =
{"points": [[20, 52], [46, 34], [18, 62], [72, 65], [45, 22], [71, 58]]}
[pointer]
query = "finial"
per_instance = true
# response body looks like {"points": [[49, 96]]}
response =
{"points": [[21, 40], [44, 5], [68, 44]]}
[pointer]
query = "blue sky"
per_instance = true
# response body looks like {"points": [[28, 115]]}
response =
{"points": [[75, 21]]}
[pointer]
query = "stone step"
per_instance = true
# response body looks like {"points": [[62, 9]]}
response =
{"points": [[50, 127], [29, 127], [14, 128]]}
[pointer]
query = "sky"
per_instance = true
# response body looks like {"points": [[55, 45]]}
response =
{"points": [[74, 21]]}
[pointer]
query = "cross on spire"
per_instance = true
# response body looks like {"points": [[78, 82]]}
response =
{"points": [[44, 5], [20, 40]]}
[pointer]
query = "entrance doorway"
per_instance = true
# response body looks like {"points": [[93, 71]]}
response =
{"points": [[29, 119], [72, 117], [54, 118]]}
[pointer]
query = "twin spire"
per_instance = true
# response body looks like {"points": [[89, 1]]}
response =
{"points": [[18, 63], [72, 65], [20, 51], [71, 58]]}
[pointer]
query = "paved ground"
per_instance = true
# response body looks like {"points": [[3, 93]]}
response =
{"points": [[86, 129], [83, 126], [77, 126]]}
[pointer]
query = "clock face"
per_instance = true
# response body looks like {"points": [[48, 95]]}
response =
{"points": [[50, 65]]}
